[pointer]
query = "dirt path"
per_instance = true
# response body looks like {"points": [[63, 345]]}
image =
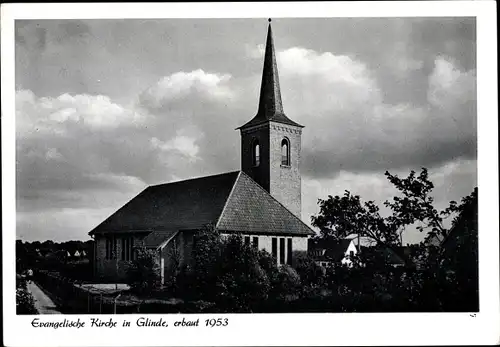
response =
{"points": [[43, 303]]}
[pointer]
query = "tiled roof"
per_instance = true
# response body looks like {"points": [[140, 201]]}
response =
{"points": [[156, 238], [186, 204], [231, 201], [252, 209]]}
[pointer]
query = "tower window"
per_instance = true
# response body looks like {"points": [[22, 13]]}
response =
{"points": [[285, 152], [256, 153]]}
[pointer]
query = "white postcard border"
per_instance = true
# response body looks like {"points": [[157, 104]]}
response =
{"points": [[274, 329]]}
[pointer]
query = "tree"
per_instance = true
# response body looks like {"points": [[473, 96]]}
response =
{"points": [[446, 279], [458, 257], [143, 273], [234, 275], [242, 284], [199, 278], [345, 215]]}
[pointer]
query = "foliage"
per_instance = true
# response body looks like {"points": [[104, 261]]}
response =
{"points": [[236, 276], [311, 274], [197, 279], [173, 269], [442, 278], [227, 275], [287, 284], [241, 281], [25, 303], [342, 216], [143, 273], [53, 256], [459, 255], [416, 204]]}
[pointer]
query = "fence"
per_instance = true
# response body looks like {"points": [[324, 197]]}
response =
{"points": [[76, 297]]}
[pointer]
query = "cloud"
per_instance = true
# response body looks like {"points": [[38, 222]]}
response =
{"points": [[315, 83], [180, 85], [182, 144], [71, 148], [83, 144], [53, 154], [350, 127], [449, 87], [255, 52], [58, 115]]}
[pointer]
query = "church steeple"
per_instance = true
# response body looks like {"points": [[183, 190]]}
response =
{"points": [[270, 105], [270, 94], [271, 142]]}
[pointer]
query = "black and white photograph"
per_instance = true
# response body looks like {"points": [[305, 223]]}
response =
{"points": [[205, 167]]}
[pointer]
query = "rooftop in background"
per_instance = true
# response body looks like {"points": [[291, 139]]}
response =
{"points": [[333, 250]]}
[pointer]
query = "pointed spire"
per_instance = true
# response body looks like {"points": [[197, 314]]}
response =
{"points": [[270, 106], [270, 94]]}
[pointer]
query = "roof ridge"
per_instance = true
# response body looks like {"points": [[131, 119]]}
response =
{"points": [[227, 200], [272, 197], [194, 178]]}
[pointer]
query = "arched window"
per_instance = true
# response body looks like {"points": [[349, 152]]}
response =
{"points": [[285, 152], [255, 153]]}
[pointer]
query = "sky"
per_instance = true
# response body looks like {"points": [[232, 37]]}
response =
{"points": [[105, 108]]}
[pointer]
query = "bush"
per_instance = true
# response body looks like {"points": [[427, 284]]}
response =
{"points": [[311, 274], [25, 303], [241, 282], [287, 284], [143, 274]]}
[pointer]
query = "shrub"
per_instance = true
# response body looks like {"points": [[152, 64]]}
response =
{"points": [[25, 303], [143, 273]]}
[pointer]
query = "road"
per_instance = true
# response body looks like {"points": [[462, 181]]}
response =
{"points": [[43, 303]]}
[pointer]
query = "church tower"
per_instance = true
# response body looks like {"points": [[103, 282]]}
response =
{"points": [[270, 142]]}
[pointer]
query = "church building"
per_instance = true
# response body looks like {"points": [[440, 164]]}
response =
{"points": [[262, 202]]}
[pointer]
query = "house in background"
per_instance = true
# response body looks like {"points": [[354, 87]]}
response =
{"points": [[432, 241], [382, 255], [327, 252], [262, 202]]}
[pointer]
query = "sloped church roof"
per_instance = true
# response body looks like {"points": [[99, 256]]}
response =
{"points": [[232, 201]]}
